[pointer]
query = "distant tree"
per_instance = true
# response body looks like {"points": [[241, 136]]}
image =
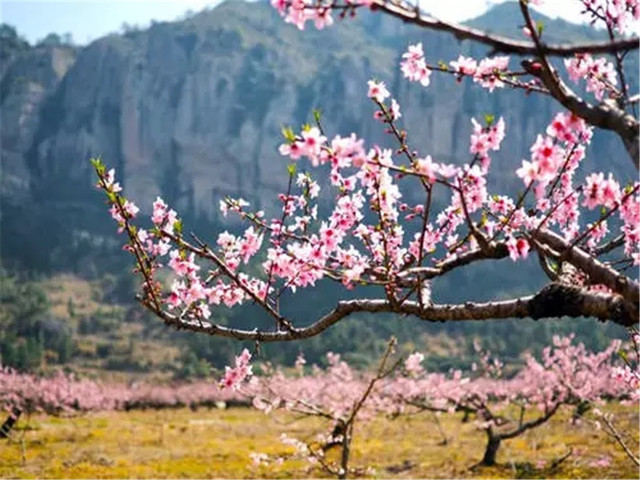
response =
{"points": [[67, 38], [9, 38], [51, 40]]}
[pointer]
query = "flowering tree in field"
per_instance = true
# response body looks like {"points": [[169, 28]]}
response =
{"points": [[565, 376], [507, 408], [64, 395], [628, 376], [338, 395], [585, 234]]}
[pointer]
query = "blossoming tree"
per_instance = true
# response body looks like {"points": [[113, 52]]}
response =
{"points": [[506, 408], [565, 376], [373, 237]]}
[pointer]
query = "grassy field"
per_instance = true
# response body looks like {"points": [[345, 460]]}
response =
{"points": [[217, 443]]}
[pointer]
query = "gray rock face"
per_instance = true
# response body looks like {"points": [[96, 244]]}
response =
{"points": [[27, 80], [192, 110]]}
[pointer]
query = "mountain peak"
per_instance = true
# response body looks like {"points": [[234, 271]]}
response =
{"points": [[506, 19]]}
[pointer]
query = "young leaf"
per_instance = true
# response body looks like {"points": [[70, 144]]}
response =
{"points": [[489, 118], [287, 133], [317, 115]]}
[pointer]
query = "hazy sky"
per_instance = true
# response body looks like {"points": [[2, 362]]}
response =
{"points": [[90, 19]]}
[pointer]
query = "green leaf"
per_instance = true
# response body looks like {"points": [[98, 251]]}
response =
{"points": [[539, 27], [489, 118], [443, 65], [99, 166], [177, 227], [317, 115], [287, 133], [291, 169], [603, 211], [306, 127]]}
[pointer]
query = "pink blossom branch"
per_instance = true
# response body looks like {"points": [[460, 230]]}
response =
{"points": [[602, 218], [606, 115]]}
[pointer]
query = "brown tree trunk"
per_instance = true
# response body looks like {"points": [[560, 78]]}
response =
{"points": [[491, 450], [11, 420], [346, 446]]}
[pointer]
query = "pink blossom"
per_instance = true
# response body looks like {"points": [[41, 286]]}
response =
{"points": [[427, 167], [159, 211], [130, 208], [489, 72], [464, 65], [529, 172], [518, 248], [395, 110], [109, 181], [413, 363], [599, 74], [413, 65], [241, 370], [377, 91]]}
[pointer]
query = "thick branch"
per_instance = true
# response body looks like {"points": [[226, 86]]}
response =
{"points": [[596, 270], [497, 42], [553, 301], [529, 425], [494, 251]]}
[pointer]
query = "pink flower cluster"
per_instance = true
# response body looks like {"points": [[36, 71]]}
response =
{"points": [[555, 158], [617, 14], [488, 72], [599, 74], [484, 139], [233, 377], [65, 395], [299, 12], [414, 66]]}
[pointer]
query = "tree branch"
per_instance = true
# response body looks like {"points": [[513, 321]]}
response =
{"points": [[530, 424], [606, 115], [553, 301], [596, 270], [498, 43]]}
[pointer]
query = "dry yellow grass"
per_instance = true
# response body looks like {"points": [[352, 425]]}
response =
{"points": [[217, 443], [66, 287]]}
